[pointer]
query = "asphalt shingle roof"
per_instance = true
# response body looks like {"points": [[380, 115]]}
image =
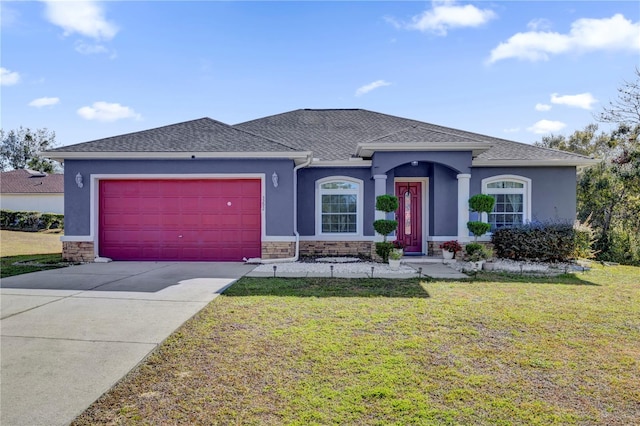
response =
{"points": [[30, 182], [201, 135], [332, 134]]}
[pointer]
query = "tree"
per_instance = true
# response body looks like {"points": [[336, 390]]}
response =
{"points": [[626, 108], [586, 142], [22, 148]]}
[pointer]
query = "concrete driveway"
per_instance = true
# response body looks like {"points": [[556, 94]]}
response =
{"points": [[68, 335]]}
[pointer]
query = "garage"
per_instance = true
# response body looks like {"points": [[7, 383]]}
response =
{"points": [[180, 219]]}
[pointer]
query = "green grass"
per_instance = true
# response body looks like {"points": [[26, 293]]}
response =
{"points": [[495, 351], [42, 249], [35, 262]]}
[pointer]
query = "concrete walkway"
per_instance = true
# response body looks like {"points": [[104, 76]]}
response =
{"points": [[68, 335]]}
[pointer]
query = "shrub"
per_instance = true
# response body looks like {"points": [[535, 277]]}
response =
{"points": [[383, 249], [477, 251], [478, 229], [8, 218], [547, 242], [387, 203], [30, 221], [385, 226], [481, 203], [51, 221]]}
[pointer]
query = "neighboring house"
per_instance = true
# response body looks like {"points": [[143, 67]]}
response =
{"points": [[302, 182], [28, 190]]}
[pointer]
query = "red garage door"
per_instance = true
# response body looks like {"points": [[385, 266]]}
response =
{"points": [[180, 219]]}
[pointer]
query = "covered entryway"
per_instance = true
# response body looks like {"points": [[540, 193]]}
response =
{"points": [[181, 219]]}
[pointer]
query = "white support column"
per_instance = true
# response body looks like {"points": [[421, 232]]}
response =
{"points": [[380, 189], [463, 206]]}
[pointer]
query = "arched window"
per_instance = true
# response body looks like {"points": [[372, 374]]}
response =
{"points": [[513, 200], [339, 206]]}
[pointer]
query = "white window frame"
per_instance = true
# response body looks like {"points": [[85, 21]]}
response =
{"points": [[525, 191], [359, 192]]}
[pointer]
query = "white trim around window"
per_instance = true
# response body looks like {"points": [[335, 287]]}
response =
{"points": [[514, 184], [352, 188]]}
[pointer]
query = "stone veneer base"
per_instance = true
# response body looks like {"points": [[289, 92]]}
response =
{"points": [[78, 251], [337, 248], [278, 249]]}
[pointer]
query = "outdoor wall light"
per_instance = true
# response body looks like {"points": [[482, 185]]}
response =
{"points": [[414, 163], [79, 180], [274, 179]]}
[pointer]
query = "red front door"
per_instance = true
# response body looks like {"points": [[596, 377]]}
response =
{"points": [[409, 216]]}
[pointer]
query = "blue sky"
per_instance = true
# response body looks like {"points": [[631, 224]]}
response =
{"points": [[516, 69]]}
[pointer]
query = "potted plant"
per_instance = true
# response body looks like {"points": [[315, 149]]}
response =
{"points": [[477, 254], [385, 203], [450, 248], [394, 258]]}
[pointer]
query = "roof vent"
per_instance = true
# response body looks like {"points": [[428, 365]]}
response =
{"points": [[35, 173]]}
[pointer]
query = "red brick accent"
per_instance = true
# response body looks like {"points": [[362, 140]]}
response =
{"points": [[78, 251], [337, 248], [278, 249]]}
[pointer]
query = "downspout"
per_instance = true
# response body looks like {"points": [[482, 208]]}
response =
{"points": [[295, 219]]}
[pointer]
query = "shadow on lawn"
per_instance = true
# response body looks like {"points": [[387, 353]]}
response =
{"points": [[564, 279], [328, 287]]}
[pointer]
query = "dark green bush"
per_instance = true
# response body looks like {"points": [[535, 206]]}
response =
{"points": [[30, 221], [387, 203], [477, 251], [51, 221], [478, 229], [383, 249], [481, 203], [384, 226], [8, 218], [546, 242]]}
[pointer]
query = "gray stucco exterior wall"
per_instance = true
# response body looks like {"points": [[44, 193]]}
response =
{"points": [[553, 189], [307, 178], [279, 201], [382, 162]]}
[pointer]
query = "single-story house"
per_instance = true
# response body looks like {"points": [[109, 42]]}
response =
{"points": [[33, 191], [302, 182]]}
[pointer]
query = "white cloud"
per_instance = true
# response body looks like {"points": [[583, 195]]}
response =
{"points": [[89, 49], [371, 86], [539, 24], [105, 111], [8, 78], [43, 102], [615, 33], [444, 15], [542, 107], [546, 126], [82, 17], [582, 100]]}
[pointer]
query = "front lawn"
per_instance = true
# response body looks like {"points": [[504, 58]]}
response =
{"points": [[24, 252], [378, 352]]}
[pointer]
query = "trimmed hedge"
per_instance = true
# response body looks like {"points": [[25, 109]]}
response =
{"points": [[30, 221], [545, 242]]}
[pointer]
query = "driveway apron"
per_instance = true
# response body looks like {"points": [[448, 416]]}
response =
{"points": [[68, 335]]}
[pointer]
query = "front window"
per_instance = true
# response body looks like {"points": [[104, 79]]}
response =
{"points": [[340, 210], [513, 200]]}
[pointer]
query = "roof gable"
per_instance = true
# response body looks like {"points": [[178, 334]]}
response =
{"points": [[30, 182]]}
